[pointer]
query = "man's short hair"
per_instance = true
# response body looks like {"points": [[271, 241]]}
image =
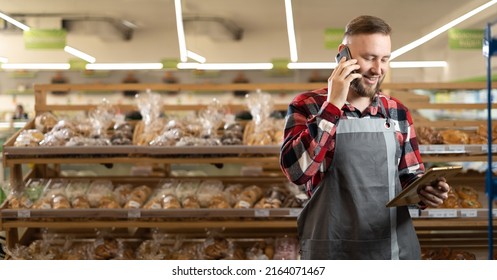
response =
{"points": [[367, 25]]}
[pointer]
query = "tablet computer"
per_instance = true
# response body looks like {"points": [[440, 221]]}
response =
{"points": [[409, 195]]}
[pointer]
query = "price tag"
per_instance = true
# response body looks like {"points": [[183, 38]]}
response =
{"points": [[261, 212], [442, 213], [437, 148], [134, 213], [469, 213], [23, 213], [295, 212], [457, 148], [423, 148], [494, 213], [484, 148], [414, 213]]}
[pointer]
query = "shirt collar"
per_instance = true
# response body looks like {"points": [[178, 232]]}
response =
{"points": [[372, 109]]}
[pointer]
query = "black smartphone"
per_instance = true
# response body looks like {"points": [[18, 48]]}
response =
{"points": [[344, 52]]}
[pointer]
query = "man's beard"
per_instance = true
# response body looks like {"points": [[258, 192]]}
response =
{"points": [[363, 91]]}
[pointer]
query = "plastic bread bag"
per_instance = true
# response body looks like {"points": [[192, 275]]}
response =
{"points": [[76, 193], [260, 105], [123, 192], [25, 197], [297, 197], [102, 117], [150, 107], [187, 188], [45, 122], [123, 133], [105, 247], [212, 117], [273, 197], [100, 189], [249, 196], [232, 192], [232, 132], [54, 195], [29, 138], [207, 190], [165, 188], [258, 131], [138, 196]]}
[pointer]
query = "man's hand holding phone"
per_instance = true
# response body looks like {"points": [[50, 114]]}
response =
{"points": [[342, 76]]}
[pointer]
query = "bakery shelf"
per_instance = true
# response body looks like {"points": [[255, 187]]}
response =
{"points": [[34, 214], [466, 228]]}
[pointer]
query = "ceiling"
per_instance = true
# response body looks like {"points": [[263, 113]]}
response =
{"points": [[263, 23]]}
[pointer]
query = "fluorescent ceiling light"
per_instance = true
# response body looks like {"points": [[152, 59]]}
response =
{"points": [[311, 65], [14, 22], [181, 31], [291, 31], [417, 64], [196, 56], [3, 59], [440, 30], [80, 54], [36, 66], [187, 65], [124, 66], [393, 64], [226, 66]]}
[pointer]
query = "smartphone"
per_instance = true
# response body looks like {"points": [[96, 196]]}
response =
{"points": [[344, 52]]}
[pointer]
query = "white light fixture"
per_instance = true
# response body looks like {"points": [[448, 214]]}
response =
{"points": [[181, 31], [124, 66], [440, 30], [418, 64], [291, 31], [21, 25], [311, 65], [196, 57], [187, 65], [393, 64], [3, 59], [36, 66], [226, 66], [80, 54]]}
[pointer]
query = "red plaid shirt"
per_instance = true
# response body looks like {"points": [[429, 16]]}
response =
{"points": [[310, 128]]}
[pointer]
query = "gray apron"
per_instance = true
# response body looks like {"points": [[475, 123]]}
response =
{"points": [[346, 217]]}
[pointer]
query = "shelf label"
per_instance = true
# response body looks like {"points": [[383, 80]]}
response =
{"points": [[134, 213], [295, 212], [442, 213], [457, 148], [261, 212], [437, 148], [469, 213], [494, 213], [414, 213], [23, 213], [484, 148], [423, 148]]}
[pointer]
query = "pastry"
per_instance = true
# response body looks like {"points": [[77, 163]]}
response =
{"points": [[470, 203], [467, 192]]}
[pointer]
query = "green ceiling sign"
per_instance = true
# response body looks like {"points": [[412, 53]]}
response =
{"points": [[461, 39], [169, 63], [333, 38], [77, 64], [280, 67], [44, 39]]}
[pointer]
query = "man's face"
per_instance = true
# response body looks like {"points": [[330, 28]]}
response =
{"points": [[372, 52]]}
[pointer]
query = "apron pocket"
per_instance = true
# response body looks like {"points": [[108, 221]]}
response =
{"points": [[322, 249]]}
